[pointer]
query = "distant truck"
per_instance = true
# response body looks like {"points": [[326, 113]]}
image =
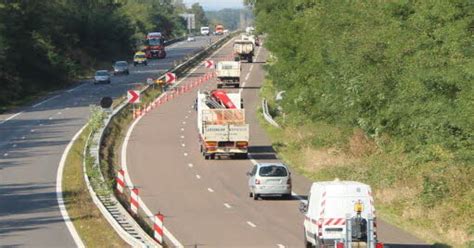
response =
{"points": [[221, 125], [155, 46], [219, 30], [340, 214], [244, 50], [204, 30], [228, 74]]}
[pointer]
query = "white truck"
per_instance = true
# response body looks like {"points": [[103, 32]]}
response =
{"points": [[221, 125], [228, 73], [244, 49], [205, 31], [340, 214]]}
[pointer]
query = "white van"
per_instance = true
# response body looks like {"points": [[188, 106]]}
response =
{"points": [[205, 30], [339, 212]]}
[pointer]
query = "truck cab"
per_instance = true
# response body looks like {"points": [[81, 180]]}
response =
{"points": [[228, 74]]}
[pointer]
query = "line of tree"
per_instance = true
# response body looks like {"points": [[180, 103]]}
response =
{"points": [[46, 44], [401, 71], [230, 18]]}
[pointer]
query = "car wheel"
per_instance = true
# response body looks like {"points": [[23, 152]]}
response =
{"points": [[146, 63], [127, 73], [134, 64], [256, 196]]}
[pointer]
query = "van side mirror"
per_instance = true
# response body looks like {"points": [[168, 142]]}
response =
{"points": [[303, 207]]}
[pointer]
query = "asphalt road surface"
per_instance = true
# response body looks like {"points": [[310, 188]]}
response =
{"points": [[32, 142], [206, 202]]}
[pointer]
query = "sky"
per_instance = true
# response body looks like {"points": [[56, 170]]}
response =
{"points": [[216, 4]]}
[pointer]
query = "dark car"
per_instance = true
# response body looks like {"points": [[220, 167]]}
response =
{"points": [[121, 67]]}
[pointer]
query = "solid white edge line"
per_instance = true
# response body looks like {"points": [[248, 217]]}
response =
{"points": [[123, 156], [11, 117], [45, 101], [59, 191]]}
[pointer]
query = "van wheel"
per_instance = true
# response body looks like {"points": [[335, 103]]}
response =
{"points": [[250, 194], [206, 157]]}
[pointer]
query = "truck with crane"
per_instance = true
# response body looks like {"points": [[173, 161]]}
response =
{"points": [[221, 125]]}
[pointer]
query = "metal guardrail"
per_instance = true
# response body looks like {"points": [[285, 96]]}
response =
{"points": [[122, 222], [266, 114]]}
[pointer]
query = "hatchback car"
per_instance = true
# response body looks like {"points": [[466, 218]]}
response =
{"points": [[140, 59], [102, 76], [121, 67], [268, 179]]}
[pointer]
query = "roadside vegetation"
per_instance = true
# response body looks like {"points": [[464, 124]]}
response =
{"points": [[45, 45], [92, 227], [382, 93]]}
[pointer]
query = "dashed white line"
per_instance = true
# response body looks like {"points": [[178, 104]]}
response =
{"points": [[32, 130], [251, 224], [280, 246], [50, 118], [23, 137], [190, 165], [198, 176], [247, 76], [185, 154], [182, 136], [184, 123], [5, 154], [210, 190], [227, 205], [59, 113], [14, 145], [47, 100], [183, 145], [41, 124], [189, 111], [182, 129], [186, 117]]}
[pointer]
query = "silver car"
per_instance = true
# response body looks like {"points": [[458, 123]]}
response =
{"points": [[269, 179], [102, 76]]}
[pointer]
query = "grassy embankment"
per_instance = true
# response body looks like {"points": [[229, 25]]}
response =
{"points": [[405, 192], [92, 227]]}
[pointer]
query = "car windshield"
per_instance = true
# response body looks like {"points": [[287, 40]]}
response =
{"points": [[121, 64], [155, 42], [273, 171], [102, 73], [140, 56]]}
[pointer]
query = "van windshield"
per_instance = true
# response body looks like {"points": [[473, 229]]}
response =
{"points": [[273, 171]]}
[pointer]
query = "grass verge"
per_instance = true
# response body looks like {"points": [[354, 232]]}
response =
{"points": [[433, 200], [92, 227]]}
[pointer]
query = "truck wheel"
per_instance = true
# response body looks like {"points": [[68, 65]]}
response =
{"points": [[206, 157], [219, 86], [250, 59], [212, 156], [250, 194]]}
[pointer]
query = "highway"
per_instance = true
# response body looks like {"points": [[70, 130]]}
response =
{"points": [[206, 203], [32, 142]]}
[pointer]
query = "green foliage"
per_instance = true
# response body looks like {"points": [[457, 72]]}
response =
{"points": [[46, 44]]}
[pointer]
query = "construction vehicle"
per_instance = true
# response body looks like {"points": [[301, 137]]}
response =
{"points": [[155, 46], [228, 73], [221, 125], [244, 49], [219, 29], [340, 214]]}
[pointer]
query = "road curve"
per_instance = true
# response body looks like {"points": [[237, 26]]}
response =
{"points": [[206, 202], [31, 145]]}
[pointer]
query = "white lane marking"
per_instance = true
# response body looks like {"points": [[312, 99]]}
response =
{"points": [[227, 205], [186, 117], [59, 191], [185, 154], [183, 145], [77, 87], [280, 246], [14, 145], [189, 111], [190, 165], [32, 130], [41, 124], [198, 176], [50, 118], [11, 117], [168, 234], [5, 154], [182, 136], [184, 123], [250, 71], [45, 101], [66, 108], [182, 129], [247, 76], [23, 137], [210, 190], [59, 113], [251, 224]]}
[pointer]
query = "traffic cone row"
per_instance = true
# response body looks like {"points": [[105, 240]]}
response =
{"points": [[168, 96]]}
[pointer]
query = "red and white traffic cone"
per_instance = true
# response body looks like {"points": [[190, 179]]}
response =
{"points": [[120, 181], [158, 228], [134, 205]]}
